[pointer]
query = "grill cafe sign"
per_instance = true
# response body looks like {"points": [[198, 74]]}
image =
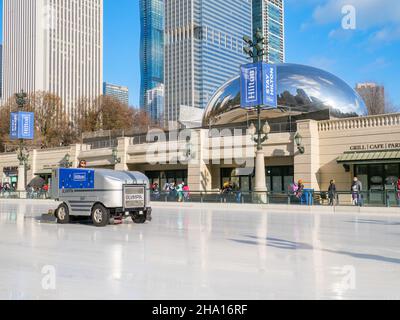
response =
{"points": [[376, 146]]}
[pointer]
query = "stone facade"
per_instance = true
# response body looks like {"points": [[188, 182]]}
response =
{"points": [[205, 154]]}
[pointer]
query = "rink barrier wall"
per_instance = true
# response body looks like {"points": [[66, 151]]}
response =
{"points": [[242, 207], [278, 207]]}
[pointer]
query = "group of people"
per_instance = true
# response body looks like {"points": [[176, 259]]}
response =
{"points": [[230, 188], [356, 192], [180, 191], [35, 192], [6, 188]]}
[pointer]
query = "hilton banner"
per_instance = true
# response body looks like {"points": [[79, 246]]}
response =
{"points": [[258, 82], [22, 125]]}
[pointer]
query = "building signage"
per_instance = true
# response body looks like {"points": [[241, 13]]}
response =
{"points": [[258, 83], [22, 125], [376, 146]]}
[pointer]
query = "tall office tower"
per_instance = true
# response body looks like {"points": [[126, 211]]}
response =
{"points": [[155, 102], [269, 16], [54, 46], [373, 96], [151, 49], [119, 92], [204, 48]]}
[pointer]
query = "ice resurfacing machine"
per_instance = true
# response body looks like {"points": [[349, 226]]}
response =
{"points": [[101, 194]]}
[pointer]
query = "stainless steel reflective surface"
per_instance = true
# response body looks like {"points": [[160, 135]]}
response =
{"points": [[302, 91], [108, 190]]}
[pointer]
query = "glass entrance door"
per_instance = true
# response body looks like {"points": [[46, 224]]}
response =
{"points": [[376, 179]]}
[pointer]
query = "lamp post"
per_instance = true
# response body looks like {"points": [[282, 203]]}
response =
{"points": [[23, 153], [298, 139], [66, 162], [259, 133], [115, 157]]}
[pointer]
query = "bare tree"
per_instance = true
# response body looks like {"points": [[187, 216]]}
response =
{"points": [[390, 107], [108, 113], [374, 98], [88, 116], [115, 115], [4, 126], [52, 125]]}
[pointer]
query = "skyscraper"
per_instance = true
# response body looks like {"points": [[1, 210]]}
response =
{"points": [[269, 16], [54, 46], [119, 92], [204, 48], [151, 48], [155, 102], [373, 96]]}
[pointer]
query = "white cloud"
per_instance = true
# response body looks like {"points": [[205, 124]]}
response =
{"points": [[385, 35], [341, 34], [322, 62], [378, 64]]}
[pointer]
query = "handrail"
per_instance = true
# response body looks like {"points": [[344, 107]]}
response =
{"points": [[360, 122], [386, 198], [372, 198]]}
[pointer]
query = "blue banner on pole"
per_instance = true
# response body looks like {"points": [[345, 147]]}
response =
{"points": [[258, 83], [250, 82], [22, 125], [270, 98], [14, 126]]}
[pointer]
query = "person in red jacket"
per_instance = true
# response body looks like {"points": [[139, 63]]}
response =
{"points": [[398, 192]]}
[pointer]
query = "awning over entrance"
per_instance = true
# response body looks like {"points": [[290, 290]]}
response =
{"points": [[44, 172], [370, 157]]}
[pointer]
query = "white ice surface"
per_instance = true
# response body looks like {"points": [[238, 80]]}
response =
{"points": [[202, 254]]}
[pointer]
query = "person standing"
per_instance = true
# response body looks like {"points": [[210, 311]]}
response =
{"points": [[155, 191], [356, 189], [332, 193], [179, 190], [172, 191], [300, 191], [186, 192], [398, 192], [82, 164]]}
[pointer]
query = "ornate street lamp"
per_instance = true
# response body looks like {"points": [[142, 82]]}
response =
{"points": [[23, 155], [298, 139], [21, 100], [189, 153], [259, 134], [256, 51], [66, 162], [115, 157]]}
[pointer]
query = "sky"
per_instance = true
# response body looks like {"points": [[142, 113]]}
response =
{"points": [[314, 36]]}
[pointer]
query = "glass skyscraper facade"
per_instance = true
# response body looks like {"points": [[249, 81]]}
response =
{"points": [[204, 49], [152, 48], [269, 16], [119, 92], [155, 101]]}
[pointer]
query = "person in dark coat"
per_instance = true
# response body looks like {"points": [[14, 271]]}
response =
{"points": [[356, 189], [332, 193]]}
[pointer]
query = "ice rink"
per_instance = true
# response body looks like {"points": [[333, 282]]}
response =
{"points": [[201, 254]]}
